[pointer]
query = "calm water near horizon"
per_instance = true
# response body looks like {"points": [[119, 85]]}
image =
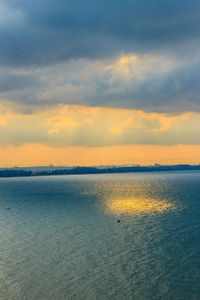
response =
{"points": [[108, 236]]}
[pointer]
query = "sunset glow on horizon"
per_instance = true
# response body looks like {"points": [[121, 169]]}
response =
{"points": [[78, 135], [42, 155]]}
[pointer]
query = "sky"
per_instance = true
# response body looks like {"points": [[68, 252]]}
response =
{"points": [[99, 82]]}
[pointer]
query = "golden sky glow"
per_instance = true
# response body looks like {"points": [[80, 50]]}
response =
{"points": [[38, 154], [80, 135], [67, 125]]}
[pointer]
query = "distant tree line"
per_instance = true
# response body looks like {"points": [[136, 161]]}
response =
{"points": [[14, 173], [95, 170]]}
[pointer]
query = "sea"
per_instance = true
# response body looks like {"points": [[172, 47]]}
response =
{"points": [[105, 236]]}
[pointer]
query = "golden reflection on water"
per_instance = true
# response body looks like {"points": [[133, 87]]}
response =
{"points": [[137, 206]]}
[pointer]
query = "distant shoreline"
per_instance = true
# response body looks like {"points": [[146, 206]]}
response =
{"points": [[35, 171]]}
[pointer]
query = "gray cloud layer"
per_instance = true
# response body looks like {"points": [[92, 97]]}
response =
{"points": [[43, 32], [37, 34]]}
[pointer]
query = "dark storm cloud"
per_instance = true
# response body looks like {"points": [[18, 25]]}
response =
{"points": [[58, 52], [52, 31], [11, 82], [154, 90], [174, 91]]}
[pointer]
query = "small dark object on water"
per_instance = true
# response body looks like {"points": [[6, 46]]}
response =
{"points": [[118, 221], [7, 208]]}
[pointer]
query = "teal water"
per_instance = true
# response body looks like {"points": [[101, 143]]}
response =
{"points": [[60, 237]]}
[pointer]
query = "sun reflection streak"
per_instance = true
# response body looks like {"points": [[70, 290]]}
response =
{"points": [[137, 206]]}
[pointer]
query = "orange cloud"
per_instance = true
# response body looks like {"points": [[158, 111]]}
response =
{"points": [[70, 125], [88, 121], [165, 121], [60, 121], [53, 131], [128, 123]]}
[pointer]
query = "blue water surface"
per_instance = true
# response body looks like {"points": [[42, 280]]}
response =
{"points": [[75, 237]]}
